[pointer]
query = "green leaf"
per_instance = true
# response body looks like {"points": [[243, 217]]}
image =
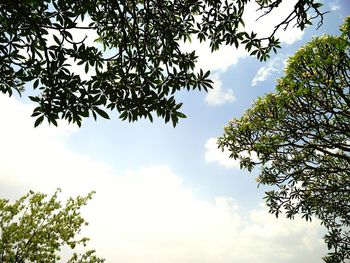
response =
{"points": [[101, 113], [86, 67], [35, 99], [36, 83], [53, 121], [39, 121], [56, 39], [150, 117]]}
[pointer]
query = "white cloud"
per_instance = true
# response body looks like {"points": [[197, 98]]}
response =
{"points": [[219, 60], [272, 66], [262, 74], [218, 95], [148, 214], [265, 25], [213, 154]]}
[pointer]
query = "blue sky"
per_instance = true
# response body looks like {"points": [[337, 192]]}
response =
{"points": [[165, 194]]}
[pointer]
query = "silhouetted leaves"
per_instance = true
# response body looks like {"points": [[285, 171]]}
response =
{"points": [[137, 63]]}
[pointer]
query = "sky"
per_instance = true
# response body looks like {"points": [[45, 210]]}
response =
{"points": [[167, 194]]}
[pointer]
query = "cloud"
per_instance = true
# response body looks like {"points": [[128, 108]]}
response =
{"points": [[273, 66], [266, 24], [219, 60], [146, 214], [213, 154], [218, 95], [263, 74]]}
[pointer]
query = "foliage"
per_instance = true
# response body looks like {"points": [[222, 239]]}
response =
{"points": [[301, 135], [35, 228], [39, 45]]}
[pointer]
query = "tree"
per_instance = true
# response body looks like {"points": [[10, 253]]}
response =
{"points": [[301, 135], [146, 65], [35, 228]]}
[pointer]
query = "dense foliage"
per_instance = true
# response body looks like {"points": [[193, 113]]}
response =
{"points": [[137, 63], [35, 228], [301, 135]]}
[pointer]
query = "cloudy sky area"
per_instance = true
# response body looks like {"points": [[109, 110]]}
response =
{"points": [[165, 194]]}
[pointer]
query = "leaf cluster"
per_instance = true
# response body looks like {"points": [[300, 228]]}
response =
{"points": [[35, 228], [302, 138], [39, 47]]}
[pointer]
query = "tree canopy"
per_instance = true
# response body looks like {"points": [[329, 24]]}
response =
{"points": [[35, 229], [301, 135], [137, 61]]}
